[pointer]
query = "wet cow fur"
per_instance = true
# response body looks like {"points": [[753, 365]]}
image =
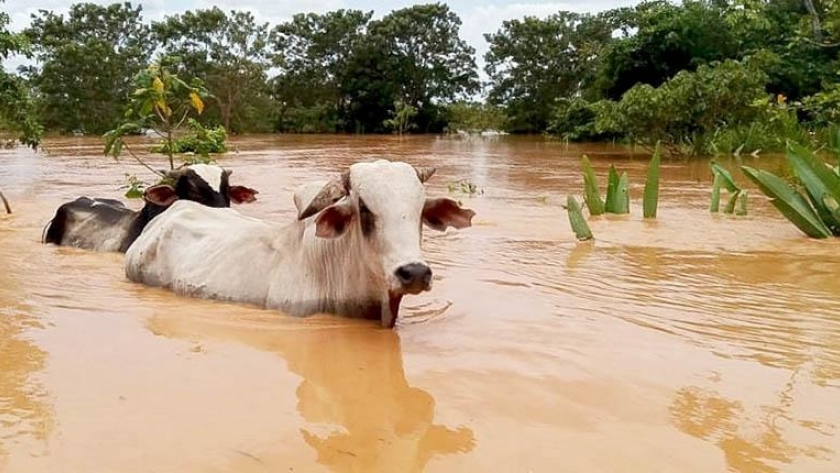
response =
{"points": [[107, 225], [354, 250]]}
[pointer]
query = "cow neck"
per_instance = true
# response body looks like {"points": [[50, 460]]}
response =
{"points": [[349, 269], [139, 222]]}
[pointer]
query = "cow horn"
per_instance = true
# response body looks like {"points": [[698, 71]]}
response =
{"points": [[332, 192], [424, 172]]}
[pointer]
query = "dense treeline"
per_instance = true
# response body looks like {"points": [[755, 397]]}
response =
{"points": [[701, 76]]}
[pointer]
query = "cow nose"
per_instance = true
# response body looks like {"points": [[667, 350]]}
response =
{"points": [[414, 276]]}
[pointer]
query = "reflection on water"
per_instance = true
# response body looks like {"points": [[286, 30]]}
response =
{"points": [[750, 444], [360, 413], [25, 410], [692, 343]]}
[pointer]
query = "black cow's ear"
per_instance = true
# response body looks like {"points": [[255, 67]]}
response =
{"points": [[242, 194], [162, 195]]}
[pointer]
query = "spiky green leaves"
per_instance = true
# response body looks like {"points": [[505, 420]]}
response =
{"points": [[578, 223], [650, 200]]}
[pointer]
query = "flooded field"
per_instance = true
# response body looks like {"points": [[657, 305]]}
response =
{"points": [[693, 343]]}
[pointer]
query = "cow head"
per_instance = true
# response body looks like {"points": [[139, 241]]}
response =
{"points": [[384, 203], [203, 183]]}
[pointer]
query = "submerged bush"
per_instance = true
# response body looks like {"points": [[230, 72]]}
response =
{"points": [[574, 120], [475, 117], [199, 140], [720, 108]]}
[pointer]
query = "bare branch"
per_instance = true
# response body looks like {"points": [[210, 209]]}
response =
{"points": [[143, 163], [5, 203], [815, 20]]}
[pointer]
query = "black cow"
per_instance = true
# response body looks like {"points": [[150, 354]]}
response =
{"points": [[108, 225]]}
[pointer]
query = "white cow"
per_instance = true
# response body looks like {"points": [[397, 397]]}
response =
{"points": [[354, 250]]}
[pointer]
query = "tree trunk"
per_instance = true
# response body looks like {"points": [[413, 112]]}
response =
{"points": [[815, 20], [227, 110], [5, 203]]}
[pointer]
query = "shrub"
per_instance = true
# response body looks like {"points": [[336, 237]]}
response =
{"points": [[719, 106], [198, 140], [574, 120]]}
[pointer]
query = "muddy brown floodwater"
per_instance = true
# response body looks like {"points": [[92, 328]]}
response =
{"points": [[693, 343]]}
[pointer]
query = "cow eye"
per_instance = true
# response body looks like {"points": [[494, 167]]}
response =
{"points": [[363, 208]]}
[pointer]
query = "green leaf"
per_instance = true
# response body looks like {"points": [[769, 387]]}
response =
{"points": [[592, 196], [133, 193], [818, 181], [714, 207], [109, 141], [742, 204], [730, 205], [612, 191], [728, 181], [651, 196], [831, 204], [621, 200], [578, 223], [789, 202]]}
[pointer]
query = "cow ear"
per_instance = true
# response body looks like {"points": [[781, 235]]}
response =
{"points": [[162, 195], [242, 194], [334, 220], [443, 212]]}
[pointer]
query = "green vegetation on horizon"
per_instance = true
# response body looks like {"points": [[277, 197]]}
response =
{"points": [[699, 77]]}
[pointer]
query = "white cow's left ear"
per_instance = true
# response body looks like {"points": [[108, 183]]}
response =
{"points": [[443, 212], [333, 221]]}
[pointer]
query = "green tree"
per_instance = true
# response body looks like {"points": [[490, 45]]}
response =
{"points": [[87, 61], [17, 113], [228, 52], [427, 62], [370, 89], [314, 52], [532, 63], [341, 71], [669, 38]]}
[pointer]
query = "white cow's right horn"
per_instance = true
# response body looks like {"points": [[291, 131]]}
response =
{"points": [[332, 192]]}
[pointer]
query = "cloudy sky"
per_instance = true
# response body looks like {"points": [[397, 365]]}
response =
{"points": [[478, 16]]}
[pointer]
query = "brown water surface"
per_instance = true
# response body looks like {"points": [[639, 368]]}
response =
{"points": [[693, 343]]}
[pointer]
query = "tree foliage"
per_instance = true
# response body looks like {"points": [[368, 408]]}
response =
{"points": [[348, 73], [164, 103], [699, 75], [228, 53], [17, 111], [314, 54], [87, 60], [529, 79], [687, 108]]}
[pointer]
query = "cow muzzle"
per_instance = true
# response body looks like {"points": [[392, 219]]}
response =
{"points": [[414, 278]]}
